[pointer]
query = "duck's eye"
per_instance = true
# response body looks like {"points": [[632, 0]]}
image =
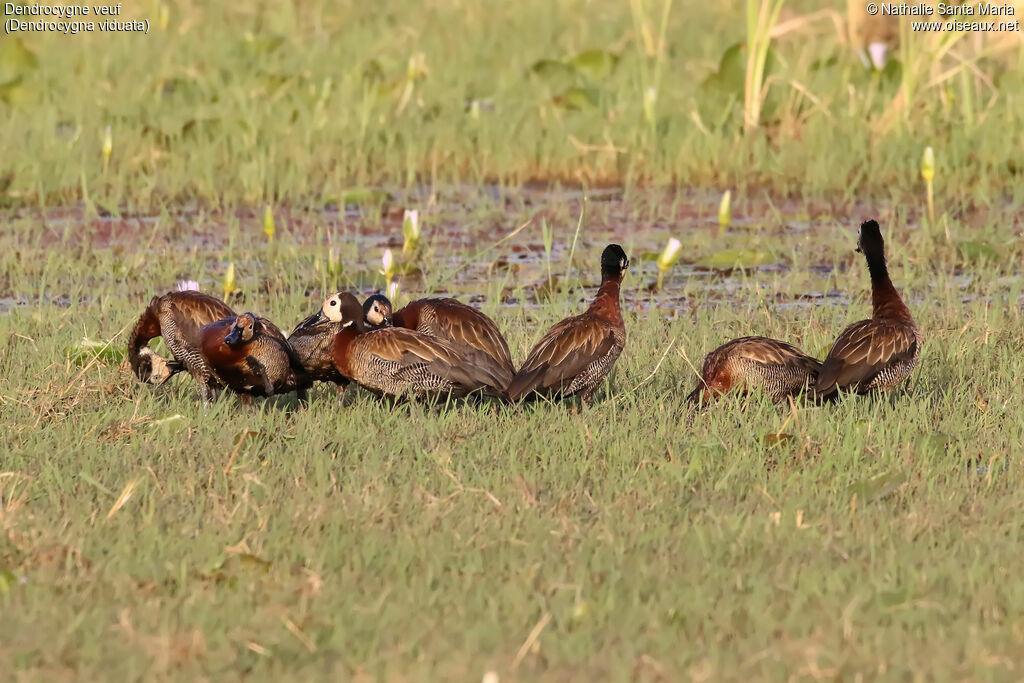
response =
{"points": [[334, 302]]}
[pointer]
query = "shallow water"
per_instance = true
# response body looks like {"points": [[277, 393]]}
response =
{"points": [[469, 252]]}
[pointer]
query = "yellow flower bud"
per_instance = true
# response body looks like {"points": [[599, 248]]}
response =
{"points": [[928, 164], [268, 225]]}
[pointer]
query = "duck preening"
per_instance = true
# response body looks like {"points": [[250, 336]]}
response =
{"points": [[312, 340], [250, 355], [394, 361], [575, 355], [178, 317], [750, 364], [879, 353]]}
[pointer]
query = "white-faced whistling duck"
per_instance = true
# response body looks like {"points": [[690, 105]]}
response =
{"points": [[397, 362], [251, 356], [578, 353], [178, 317], [464, 327], [751, 364], [879, 353], [313, 339]]}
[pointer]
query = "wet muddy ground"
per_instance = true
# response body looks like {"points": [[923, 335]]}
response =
{"points": [[490, 243]]}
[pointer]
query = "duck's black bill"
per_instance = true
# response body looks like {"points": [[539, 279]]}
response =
{"points": [[312, 320]]}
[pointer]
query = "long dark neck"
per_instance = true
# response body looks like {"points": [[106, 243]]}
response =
{"points": [[885, 300], [606, 303]]}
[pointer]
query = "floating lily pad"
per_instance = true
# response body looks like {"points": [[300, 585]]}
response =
{"points": [[738, 258], [878, 486], [595, 64]]}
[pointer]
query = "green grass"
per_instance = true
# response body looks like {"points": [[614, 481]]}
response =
{"points": [[301, 103], [427, 543]]}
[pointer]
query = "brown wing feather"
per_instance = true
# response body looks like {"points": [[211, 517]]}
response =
{"points": [[462, 323], [192, 310], [863, 350], [397, 344], [774, 352], [762, 350], [408, 347], [566, 349]]}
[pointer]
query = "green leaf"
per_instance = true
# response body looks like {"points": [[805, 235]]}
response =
{"points": [[7, 581], [578, 98], [177, 420], [977, 251], [15, 92], [262, 45], [877, 487], [723, 91], [595, 64], [738, 258], [88, 349], [552, 70], [895, 597], [16, 60]]}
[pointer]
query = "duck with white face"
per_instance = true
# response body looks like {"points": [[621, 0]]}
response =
{"points": [[377, 311], [250, 356], [312, 339]]}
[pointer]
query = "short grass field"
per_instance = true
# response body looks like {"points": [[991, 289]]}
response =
{"points": [[143, 536]]}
